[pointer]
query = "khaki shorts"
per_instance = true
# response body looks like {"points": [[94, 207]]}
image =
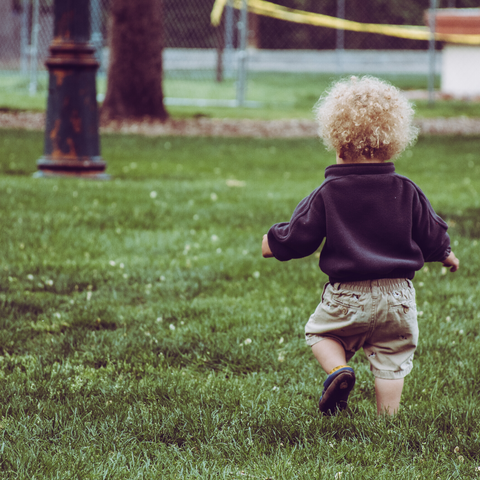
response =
{"points": [[379, 316]]}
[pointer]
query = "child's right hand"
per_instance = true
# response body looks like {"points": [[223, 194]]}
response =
{"points": [[266, 252], [452, 262]]}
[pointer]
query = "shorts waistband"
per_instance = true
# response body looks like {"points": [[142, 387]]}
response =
{"points": [[383, 284]]}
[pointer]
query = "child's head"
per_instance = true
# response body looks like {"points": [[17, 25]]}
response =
{"points": [[365, 117]]}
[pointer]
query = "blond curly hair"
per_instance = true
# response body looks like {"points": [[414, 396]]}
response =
{"points": [[365, 117]]}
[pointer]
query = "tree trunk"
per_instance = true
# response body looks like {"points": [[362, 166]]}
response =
{"points": [[134, 86], [253, 38]]}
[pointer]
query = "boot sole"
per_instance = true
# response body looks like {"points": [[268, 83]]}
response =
{"points": [[336, 396]]}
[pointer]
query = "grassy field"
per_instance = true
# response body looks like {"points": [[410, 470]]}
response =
{"points": [[142, 335], [281, 96]]}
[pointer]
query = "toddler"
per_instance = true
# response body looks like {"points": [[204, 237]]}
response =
{"points": [[379, 229]]}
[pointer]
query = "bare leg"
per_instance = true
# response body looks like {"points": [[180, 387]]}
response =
{"points": [[329, 353], [388, 394]]}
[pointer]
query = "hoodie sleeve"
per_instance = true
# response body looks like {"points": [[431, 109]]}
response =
{"points": [[429, 230], [303, 234]]}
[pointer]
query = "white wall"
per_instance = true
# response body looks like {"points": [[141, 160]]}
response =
{"points": [[461, 70]]}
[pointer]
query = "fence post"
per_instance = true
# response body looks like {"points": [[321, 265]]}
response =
{"points": [[340, 37], [228, 52], [220, 38], [97, 37], [242, 55], [34, 48], [24, 37], [431, 53]]}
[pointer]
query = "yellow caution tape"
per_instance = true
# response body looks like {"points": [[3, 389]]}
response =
{"points": [[217, 10], [412, 32]]}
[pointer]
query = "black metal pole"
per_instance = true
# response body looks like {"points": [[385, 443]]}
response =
{"points": [[72, 141]]}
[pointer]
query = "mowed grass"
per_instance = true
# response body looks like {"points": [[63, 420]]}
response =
{"points": [[142, 335], [277, 96]]}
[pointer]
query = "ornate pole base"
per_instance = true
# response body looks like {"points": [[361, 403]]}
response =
{"points": [[92, 168]]}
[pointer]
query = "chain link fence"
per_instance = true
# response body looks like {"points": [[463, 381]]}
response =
{"points": [[199, 59], [208, 65], [26, 31]]}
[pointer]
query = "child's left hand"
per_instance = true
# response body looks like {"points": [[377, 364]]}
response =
{"points": [[451, 262], [266, 252]]}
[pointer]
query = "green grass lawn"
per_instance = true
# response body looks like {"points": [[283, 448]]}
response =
{"points": [[142, 335], [280, 95]]}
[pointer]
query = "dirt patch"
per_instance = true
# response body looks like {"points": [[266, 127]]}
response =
{"points": [[215, 127]]}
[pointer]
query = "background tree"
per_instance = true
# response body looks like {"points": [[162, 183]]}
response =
{"points": [[134, 85]]}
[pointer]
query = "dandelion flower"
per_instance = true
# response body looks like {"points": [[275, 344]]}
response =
{"points": [[235, 183]]}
